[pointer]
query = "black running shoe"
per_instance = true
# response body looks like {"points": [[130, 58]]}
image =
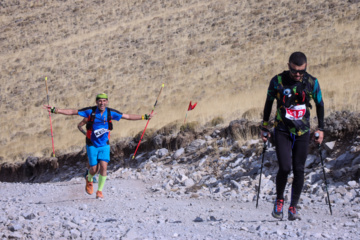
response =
{"points": [[293, 214], [278, 209]]}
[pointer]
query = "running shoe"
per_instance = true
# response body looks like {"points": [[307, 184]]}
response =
{"points": [[278, 209], [99, 195], [293, 214], [89, 187]]}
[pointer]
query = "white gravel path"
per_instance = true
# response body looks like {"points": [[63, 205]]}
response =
{"points": [[131, 210]]}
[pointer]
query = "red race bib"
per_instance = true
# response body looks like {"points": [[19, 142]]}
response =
{"points": [[296, 112]]}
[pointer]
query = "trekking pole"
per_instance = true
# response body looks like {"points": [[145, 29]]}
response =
{"points": [[322, 164], [162, 86], [265, 134], [52, 136]]}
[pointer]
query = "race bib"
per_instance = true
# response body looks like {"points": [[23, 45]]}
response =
{"points": [[99, 132], [296, 112]]}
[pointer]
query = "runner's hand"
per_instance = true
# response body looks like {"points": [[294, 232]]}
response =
{"points": [[50, 109], [265, 139], [265, 129], [149, 116], [47, 107], [320, 138]]}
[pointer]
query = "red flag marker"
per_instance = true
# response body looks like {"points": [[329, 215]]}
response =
{"points": [[191, 107]]}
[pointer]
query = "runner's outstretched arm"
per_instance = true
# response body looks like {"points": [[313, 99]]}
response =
{"points": [[137, 117], [61, 111]]}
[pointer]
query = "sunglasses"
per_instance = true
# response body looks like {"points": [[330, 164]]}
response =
{"points": [[294, 71]]}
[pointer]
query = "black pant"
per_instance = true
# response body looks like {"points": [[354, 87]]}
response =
{"points": [[287, 144]]}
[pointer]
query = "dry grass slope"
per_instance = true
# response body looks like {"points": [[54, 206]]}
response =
{"points": [[221, 54]]}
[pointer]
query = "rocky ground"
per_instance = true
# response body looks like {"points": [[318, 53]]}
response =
{"points": [[204, 189]]}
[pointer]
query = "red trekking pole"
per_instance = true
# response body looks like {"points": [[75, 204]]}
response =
{"points": [[162, 86], [52, 136]]}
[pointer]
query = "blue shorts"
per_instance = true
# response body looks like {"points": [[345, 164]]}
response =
{"points": [[97, 154]]}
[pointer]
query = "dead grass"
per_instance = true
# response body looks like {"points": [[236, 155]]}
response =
{"points": [[220, 54], [190, 127]]}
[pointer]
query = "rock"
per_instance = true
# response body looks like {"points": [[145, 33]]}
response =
{"points": [[352, 184], [208, 138], [355, 161], [74, 233], [330, 145], [236, 184], [202, 161], [310, 160], [15, 227], [32, 161], [350, 224], [313, 177], [343, 160], [15, 235], [157, 141], [354, 149], [329, 163], [162, 152], [178, 153], [30, 216], [189, 183], [195, 145], [198, 219], [341, 190]]}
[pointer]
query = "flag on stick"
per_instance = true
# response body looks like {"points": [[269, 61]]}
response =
{"points": [[191, 107]]}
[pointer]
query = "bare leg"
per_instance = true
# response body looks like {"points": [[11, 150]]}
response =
{"points": [[103, 168]]}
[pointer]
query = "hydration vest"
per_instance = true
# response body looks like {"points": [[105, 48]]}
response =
{"points": [[90, 123], [295, 94]]}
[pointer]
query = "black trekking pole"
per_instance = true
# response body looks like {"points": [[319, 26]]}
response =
{"points": [[322, 164], [265, 134]]}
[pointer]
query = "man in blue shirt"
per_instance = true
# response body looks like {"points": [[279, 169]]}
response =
{"points": [[98, 134]]}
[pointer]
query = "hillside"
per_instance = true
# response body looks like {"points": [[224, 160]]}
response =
{"points": [[220, 54], [190, 185]]}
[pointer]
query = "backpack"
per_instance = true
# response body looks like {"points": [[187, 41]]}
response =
{"points": [[91, 119], [295, 94]]}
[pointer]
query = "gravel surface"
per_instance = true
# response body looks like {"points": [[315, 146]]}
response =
{"points": [[132, 209]]}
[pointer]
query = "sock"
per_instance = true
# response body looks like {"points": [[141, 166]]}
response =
{"points": [[101, 183], [90, 177]]}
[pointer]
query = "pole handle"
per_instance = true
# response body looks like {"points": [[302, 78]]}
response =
{"points": [[317, 135], [47, 91]]}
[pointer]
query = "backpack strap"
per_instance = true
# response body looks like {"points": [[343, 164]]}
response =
{"points": [[109, 119], [91, 119], [304, 85]]}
